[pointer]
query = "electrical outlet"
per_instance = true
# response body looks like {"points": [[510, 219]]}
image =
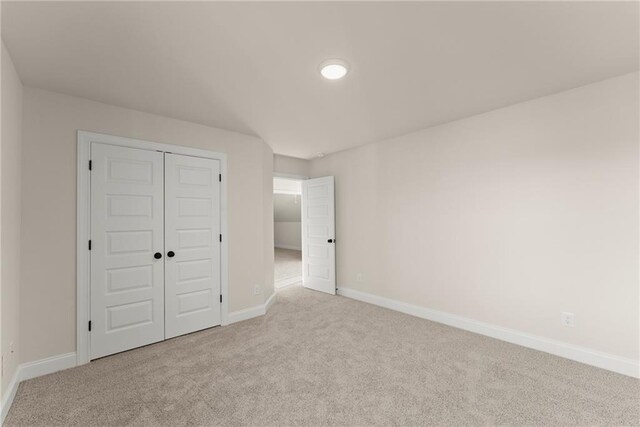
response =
{"points": [[359, 277], [257, 290], [567, 319]]}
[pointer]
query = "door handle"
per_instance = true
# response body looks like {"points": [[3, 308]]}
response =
{"points": [[170, 254], [157, 255], [330, 241]]}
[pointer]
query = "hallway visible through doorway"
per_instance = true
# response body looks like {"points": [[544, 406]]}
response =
{"points": [[287, 208], [288, 267]]}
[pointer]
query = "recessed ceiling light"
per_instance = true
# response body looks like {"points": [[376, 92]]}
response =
{"points": [[334, 69]]}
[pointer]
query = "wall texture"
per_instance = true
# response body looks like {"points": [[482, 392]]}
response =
{"points": [[290, 165], [47, 317], [508, 217], [10, 155]]}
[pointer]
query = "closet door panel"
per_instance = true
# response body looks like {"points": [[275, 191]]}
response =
{"points": [[127, 231], [192, 230]]}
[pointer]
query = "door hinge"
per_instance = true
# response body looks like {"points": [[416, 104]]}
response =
{"points": [[221, 237], [89, 325], [220, 298], [89, 244], [219, 177], [90, 164]]}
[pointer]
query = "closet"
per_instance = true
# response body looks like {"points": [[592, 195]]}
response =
{"points": [[155, 251]]}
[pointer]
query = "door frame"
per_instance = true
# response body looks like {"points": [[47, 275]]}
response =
{"points": [[83, 228], [290, 176]]}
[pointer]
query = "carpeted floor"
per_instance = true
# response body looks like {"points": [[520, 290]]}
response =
{"points": [[287, 268], [316, 359]]}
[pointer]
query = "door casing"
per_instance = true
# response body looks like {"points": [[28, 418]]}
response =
{"points": [[83, 217]]}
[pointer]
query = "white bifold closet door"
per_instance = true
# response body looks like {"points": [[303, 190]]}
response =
{"points": [[127, 234], [155, 247], [192, 233]]}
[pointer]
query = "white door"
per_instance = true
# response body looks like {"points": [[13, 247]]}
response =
{"points": [[192, 242], [127, 265], [318, 235]]}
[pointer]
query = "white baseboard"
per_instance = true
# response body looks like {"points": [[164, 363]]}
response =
{"points": [[584, 355], [47, 366], [286, 282], [9, 394], [27, 371], [269, 303], [294, 248], [247, 313], [250, 313]]}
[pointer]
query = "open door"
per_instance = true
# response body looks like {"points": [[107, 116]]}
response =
{"points": [[318, 235]]}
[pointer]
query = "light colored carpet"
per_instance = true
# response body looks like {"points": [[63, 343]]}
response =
{"points": [[316, 359], [287, 267]]}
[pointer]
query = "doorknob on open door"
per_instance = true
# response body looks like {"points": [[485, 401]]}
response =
{"points": [[330, 241]]}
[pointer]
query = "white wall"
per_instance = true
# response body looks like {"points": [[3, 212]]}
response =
{"points": [[48, 304], [10, 165], [287, 213], [290, 165], [287, 207], [508, 217], [288, 235]]}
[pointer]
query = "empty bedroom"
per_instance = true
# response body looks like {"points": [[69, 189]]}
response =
{"points": [[304, 213]]}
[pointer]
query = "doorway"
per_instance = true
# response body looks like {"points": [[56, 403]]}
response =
{"points": [[287, 231]]}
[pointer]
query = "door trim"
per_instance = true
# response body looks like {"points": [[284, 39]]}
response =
{"points": [[290, 176], [83, 229]]}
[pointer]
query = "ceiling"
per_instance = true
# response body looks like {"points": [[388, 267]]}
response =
{"points": [[253, 67]]}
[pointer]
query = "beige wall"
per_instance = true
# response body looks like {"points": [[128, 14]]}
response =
{"points": [[10, 165], [290, 165], [508, 217], [47, 318]]}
